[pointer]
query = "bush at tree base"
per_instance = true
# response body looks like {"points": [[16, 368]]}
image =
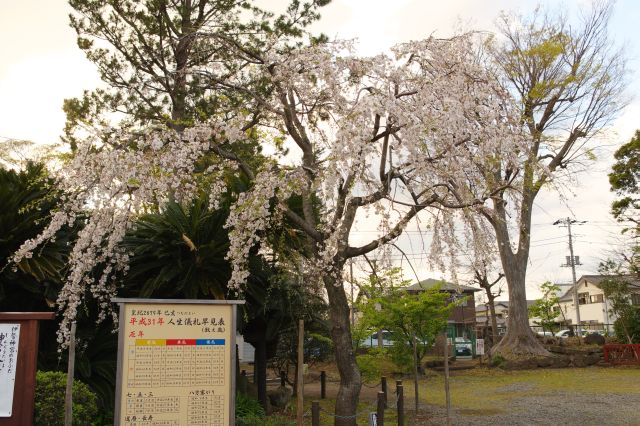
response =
{"points": [[633, 327], [49, 401], [370, 364], [248, 411]]}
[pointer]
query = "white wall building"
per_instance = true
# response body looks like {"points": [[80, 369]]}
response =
{"points": [[595, 309]]}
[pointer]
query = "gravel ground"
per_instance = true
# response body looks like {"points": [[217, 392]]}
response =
{"points": [[552, 409]]}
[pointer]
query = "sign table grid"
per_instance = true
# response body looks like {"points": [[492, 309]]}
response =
{"points": [[166, 363]]}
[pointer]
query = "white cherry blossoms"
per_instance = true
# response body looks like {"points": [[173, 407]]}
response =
{"points": [[105, 186], [415, 131], [408, 133]]}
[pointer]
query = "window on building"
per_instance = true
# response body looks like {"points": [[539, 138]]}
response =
{"points": [[583, 298], [597, 298], [635, 299]]}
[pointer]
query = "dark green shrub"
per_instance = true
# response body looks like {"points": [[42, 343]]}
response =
{"points": [[497, 361], [49, 400], [370, 364], [631, 323]]}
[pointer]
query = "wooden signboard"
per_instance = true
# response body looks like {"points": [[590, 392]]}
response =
{"points": [[9, 341], [176, 362], [18, 363]]}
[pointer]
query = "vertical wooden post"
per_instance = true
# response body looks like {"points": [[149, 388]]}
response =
{"points": [[383, 386], [315, 413], [415, 374], [323, 384], [380, 409], [446, 378], [400, 404], [68, 395], [300, 393], [243, 382], [283, 380]]}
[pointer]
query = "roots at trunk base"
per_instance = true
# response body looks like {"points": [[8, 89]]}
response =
{"points": [[515, 346]]}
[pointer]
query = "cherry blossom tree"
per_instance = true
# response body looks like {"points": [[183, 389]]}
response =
{"points": [[388, 136]]}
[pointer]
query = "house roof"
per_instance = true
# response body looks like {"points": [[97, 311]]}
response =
{"points": [[634, 283], [483, 306], [444, 285]]}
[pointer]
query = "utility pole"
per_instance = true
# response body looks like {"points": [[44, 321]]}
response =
{"points": [[572, 261]]}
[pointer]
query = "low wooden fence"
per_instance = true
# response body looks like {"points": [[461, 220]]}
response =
{"points": [[375, 412], [622, 354]]}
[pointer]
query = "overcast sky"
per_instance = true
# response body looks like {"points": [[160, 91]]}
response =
{"points": [[41, 66]]}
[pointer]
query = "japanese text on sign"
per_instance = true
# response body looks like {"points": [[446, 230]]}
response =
{"points": [[9, 339], [176, 364]]}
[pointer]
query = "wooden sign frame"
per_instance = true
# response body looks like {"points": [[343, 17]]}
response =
{"points": [[165, 332], [25, 383]]}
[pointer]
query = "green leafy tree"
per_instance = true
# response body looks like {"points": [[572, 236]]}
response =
{"points": [[28, 198], [160, 58], [414, 320], [623, 272], [617, 288], [625, 182], [547, 309]]}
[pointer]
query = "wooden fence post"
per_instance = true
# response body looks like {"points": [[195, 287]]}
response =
{"points": [[300, 393], [323, 385], [383, 386], [315, 413], [243, 382], [446, 378], [380, 409], [68, 395], [283, 380], [400, 404]]}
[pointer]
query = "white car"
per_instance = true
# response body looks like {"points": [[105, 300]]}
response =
{"points": [[372, 341], [567, 333]]}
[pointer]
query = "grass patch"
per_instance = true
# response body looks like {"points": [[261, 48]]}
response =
{"points": [[484, 392], [482, 388]]}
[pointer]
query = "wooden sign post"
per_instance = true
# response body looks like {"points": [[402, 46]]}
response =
{"points": [[18, 363], [176, 362]]}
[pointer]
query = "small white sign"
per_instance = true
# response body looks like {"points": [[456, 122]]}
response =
{"points": [[9, 339], [479, 346]]}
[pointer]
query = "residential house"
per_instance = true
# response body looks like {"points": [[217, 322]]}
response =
{"points": [[463, 317], [595, 308], [483, 314]]}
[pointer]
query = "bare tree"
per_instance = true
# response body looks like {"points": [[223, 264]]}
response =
{"points": [[481, 277], [569, 82]]}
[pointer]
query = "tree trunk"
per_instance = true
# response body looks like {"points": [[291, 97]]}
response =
{"points": [[519, 339], [261, 370], [350, 380]]}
